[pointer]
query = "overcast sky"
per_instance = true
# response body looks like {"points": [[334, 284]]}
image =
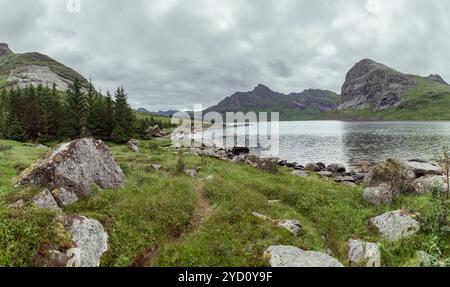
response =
{"points": [[174, 53]]}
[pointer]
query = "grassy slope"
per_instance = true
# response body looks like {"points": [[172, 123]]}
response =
{"points": [[429, 100], [157, 206]]}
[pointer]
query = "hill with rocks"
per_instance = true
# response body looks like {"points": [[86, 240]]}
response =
{"points": [[21, 70]]}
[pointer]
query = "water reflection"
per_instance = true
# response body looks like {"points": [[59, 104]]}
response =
{"points": [[350, 142]]}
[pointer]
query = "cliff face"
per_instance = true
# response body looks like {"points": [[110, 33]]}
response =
{"points": [[371, 85]]}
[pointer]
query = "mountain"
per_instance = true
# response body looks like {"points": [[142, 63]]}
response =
{"points": [[168, 113], [309, 104], [34, 68], [375, 91]]}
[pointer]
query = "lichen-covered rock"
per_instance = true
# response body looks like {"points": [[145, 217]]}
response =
{"points": [[64, 197], [45, 200], [289, 256], [395, 225], [377, 195], [90, 239], [424, 184], [77, 166], [364, 252]]}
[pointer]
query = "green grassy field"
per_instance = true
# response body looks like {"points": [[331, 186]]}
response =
{"points": [[165, 218]]}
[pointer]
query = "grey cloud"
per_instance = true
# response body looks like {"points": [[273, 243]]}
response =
{"points": [[174, 53]]}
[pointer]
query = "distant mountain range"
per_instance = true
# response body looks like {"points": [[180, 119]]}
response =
{"points": [[20, 70], [371, 91], [309, 104], [168, 113]]}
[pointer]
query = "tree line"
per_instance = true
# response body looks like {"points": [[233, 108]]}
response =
{"points": [[41, 113]]}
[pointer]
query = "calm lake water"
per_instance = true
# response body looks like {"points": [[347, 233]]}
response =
{"points": [[350, 142]]}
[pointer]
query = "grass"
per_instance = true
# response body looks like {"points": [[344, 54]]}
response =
{"points": [[157, 207]]}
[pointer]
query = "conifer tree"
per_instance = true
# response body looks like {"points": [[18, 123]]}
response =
{"points": [[75, 111], [123, 118]]}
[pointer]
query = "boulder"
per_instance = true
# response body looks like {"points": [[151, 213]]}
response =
{"points": [[336, 167], [300, 173], [134, 145], [77, 166], [379, 174], [312, 167], [321, 165], [45, 200], [364, 252], [378, 195], [64, 197], [90, 239], [424, 184], [395, 225], [155, 132], [289, 256], [422, 168]]}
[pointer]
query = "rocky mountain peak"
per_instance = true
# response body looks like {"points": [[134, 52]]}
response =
{"points": [[437, 78], [262, 89], [4, 49], [363, 68]]}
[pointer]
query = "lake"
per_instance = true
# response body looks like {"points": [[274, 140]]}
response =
{"points": [[350, 142]]}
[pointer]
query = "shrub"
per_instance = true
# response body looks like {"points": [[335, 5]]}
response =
{"points": [[397, 176]]}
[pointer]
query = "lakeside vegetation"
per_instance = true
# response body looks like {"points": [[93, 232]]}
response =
{"points": [[152, 222]]}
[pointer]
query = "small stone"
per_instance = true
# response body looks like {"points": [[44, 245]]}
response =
{"points": [[312, 167], [210, 177], [191, 172], [364, 252], [336, 167], [293, 226], [156, 166], [325, 174], [134, 144], [273, 201], [300, 173], [18, 204], [64, 197], [45, 200], [341, 179], [378, 195]]}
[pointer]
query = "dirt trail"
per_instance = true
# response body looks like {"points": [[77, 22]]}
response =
{"points": [[202, 211]]}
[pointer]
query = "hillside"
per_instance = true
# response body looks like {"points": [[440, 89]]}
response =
{"points": [[309, 104], [165, 218], [34, 68], [374, 91]]}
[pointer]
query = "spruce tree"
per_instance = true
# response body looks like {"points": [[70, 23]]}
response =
{"points": [[123, 118], [75, 111]]}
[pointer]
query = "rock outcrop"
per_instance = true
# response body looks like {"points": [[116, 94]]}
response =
{"points": [[76, 166], [289, 256], [38, 75], [4, 49], [371, 85], [134, 145], [395, 225]]}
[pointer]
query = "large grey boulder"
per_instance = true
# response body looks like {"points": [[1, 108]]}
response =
{"points": [[395, 225], [422, 168], [424, 184], [312, 167], [378, 195], [289, 256], [45, 200], [77, 166], [90, 239], [364, 252]]}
